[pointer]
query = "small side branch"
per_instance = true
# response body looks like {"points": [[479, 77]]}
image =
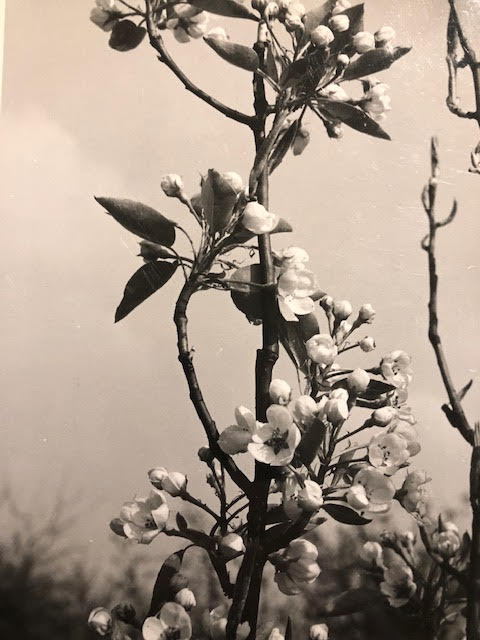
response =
{"points": [[157, 43]]}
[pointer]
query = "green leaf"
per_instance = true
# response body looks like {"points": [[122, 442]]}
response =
{"points": [[140, 219], [272, 63], [294, 73], [283, 144], [373, 61], [353, 117], [248, 300], [148, 279], [376, 389], [308, 325], [237, 54], [344, 514], [126, 36], [161, 590], [228, 8], [347, 602], [291, 337]]}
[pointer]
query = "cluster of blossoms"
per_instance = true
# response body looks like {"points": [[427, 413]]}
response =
{"points": [[296, 565]]}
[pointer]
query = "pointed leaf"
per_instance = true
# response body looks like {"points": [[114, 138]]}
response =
{"points": [[376, 389], [294, 73], [248, 300], [218, 200], [126, 36], [352, 116], [181, 522], [140, 219], [373, 61], [283, 144], [311, 441], [317, 16], [228, 8], [148, 279], [272, 63], [344, 514], [288, 630], [237, 54], [161, 590], [291, 337]]}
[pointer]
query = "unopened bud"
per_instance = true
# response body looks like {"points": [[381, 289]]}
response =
{"points": [[157, 475], [342, 309], [384, 35], [339, 23], [382, 417], [343, 60], [301, 141], [100, 621], [231, 545], [259, 5], [336, 411], [174, 483], [310, 498], [186, 598], [363, 41], [206, 455], [367, 344], [172, 185], [358, 381], [280, 392], [326, 303], [234, 180], [322, 36], [366, 313]]}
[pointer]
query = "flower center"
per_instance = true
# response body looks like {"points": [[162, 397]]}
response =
{"points": [[278, 441], [172, 633]]}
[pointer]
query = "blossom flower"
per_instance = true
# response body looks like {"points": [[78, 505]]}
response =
{"points": [[231, 545], [395, 368], [172, 622], [367, 344], [407, 431], [335, 92], [363, 41], [275, 442], [398, 584], [318, 632], [358, 381], [376, 101], [105, 15], [296, 565], [276, 635], [187, 22], [237, 437], [446, 541], [217, 624], [322, 36], [371, 492], [144, 518], [175, 483], [257, 219], [295, 286], [321, 349], [388, 452], [280, 391], [186, 598], [372, 552], [100, 621], [310, 498], [304, 410], [292, 257]]}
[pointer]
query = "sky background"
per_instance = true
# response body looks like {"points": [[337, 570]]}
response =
{"points": [[88, 406]]}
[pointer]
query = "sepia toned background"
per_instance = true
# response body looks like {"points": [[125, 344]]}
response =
{"points": [[88, 406]]}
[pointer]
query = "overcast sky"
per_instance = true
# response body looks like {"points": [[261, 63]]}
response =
{"points": [[88, 406]]}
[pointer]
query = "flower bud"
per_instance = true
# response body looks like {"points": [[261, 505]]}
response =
{"points": [[321, 349], [186, 598], [304, 410], [231, 545], [326, 303], [343, 60], [174, 483], [322, 36], [310, 498], [178, 582], [319, 632], [157, 475], [372, 552], [367, 344], [343, 330], [172, 185], [336, 411], [382, 417], [340, 6], [100, 621], [257, 219], [342, 309], [363, 41], [358, 381], [367, 313], [259, 5], [234, 180], [384, 36], [280, 392], [205, 454], [339, 394], [339, 23], [302, 138]]}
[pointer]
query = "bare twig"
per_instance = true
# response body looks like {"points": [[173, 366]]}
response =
{"points": [[157, 43]]}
